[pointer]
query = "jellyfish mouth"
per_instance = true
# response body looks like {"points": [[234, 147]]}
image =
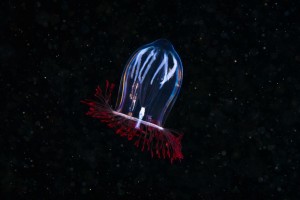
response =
{"points": [[138, 120]]}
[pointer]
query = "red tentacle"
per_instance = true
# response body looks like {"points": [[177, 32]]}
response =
{"points": [[162, 143]]}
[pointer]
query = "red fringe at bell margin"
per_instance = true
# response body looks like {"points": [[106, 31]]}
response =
{"points": [[161, 142]]}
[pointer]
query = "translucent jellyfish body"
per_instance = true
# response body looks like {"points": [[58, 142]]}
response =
{"points": [[149, 86]]}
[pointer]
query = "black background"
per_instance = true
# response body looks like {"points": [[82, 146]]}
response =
{"points": [[238, 106]]}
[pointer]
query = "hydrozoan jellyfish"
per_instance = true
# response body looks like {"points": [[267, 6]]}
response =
{"points": [[148, 89]]}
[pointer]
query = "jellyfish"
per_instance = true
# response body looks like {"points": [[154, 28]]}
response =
{"points": [[148, 89]]}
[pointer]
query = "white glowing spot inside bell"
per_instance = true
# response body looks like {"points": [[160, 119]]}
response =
{"points": [[141, 115]]}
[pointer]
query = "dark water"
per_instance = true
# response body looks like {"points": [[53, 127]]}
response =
{"points": [[238, 107]]}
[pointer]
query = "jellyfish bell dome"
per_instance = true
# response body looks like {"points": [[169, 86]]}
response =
{"points": [[150, 83], [149, 86]]}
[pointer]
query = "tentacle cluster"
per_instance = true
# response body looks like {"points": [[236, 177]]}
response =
{"points": [[162, 143]]}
